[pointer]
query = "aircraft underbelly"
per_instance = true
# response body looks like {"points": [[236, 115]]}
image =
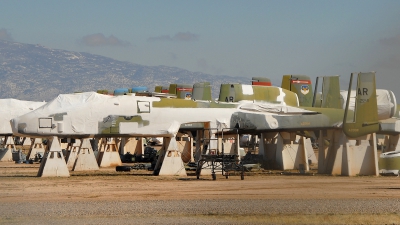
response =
{"points": [[168, 129], [277, 122]]}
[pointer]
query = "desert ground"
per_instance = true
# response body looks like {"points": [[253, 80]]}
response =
{"points": [[137, 197]]}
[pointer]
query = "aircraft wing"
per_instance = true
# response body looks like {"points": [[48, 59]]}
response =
{"points": [[273, 108], [285, 118]]}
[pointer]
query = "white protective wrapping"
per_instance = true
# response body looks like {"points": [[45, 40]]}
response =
{"points": [[90, 102], [11, 108], [385, 98], [65, 102], [273, 108]]}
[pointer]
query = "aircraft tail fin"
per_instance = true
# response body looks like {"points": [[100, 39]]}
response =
{"points": [[301, 85], [182, 91], [202, 91], [161, 89], [330, 96], [261, 81], [364, 118]]}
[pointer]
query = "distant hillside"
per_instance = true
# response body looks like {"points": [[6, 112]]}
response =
{"points": [[34, 72]]}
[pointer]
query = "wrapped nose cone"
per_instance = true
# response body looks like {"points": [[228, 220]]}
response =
{"points": [[14, 126], [14, 108], [18, 128]]}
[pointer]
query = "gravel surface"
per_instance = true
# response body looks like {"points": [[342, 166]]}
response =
{"points": [[107, 197], [184, 211], [207, 207]]}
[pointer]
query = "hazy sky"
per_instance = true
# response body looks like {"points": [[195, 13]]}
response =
{"points": [[224, 37]]}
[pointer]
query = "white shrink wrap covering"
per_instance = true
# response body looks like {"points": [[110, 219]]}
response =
{"points": [[386, 100], [11, 108]]}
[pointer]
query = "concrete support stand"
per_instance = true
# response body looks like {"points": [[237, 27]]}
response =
{"points": [[169, 161], [339, 155], [231, 144], [72, 153], [108, 155], [6, 152], [214, 145], [391, 143], [85, 159], [27, 141], [35, 147], [185, 146], [200, 150], [5, 155], [199, 145], [267, 148], [286, 151], [291, 155], [132, 145], [53, 163]]}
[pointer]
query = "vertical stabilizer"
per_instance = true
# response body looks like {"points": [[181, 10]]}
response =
{"points": [[182, 91], [202, 91], [158, 89], [161, 89], [301, 85], [364, 119], [330, 97], [261, 81]]}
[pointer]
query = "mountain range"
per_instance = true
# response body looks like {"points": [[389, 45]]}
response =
{"points": [[37, 73]]}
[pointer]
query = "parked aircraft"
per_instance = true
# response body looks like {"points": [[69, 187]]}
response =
{"points": [[94, 115], [11, 108], [332, 97]]}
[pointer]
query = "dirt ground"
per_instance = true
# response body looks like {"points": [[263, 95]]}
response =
{"points": [[107, 184], [325, 199]]}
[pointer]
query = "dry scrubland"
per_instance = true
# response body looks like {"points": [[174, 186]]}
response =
{"points": [[136, 197]]}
